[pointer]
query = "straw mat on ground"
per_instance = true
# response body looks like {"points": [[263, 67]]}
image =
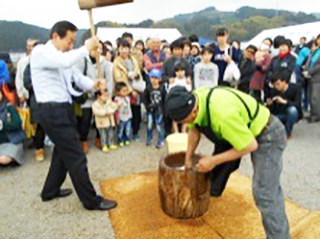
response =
{"points": [[233, 216]]}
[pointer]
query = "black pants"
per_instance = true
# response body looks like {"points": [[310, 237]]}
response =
{"points": [[244, 86], [220, 174], [167, 125], [136, 118], [257, 95], [39, 137], [59, 123], [83, 123]]}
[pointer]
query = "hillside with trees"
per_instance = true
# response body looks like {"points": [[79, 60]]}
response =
{"points": [[243, 24]]}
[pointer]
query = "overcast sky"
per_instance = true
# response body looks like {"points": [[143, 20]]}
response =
{"points": [[45, 13]]}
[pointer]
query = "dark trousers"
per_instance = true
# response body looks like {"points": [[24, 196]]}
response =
{"points": [[314, 93], [257, 95], [136, 119], [59, 123], [220, 174], [244, 86], [83, 123], [167, 126], [305, 94], [39, 137], [289, 118], [304, 84]]}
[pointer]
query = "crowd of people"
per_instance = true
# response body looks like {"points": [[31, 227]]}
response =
{"points": [[58, 94], [138, 76]]}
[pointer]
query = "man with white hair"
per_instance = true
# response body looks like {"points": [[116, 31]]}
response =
{"points": [[154, 58]]}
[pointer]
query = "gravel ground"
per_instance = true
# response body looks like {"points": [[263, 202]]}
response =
{"points": [[24, 215]]}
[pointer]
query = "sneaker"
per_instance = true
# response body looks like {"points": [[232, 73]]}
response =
{"points": [[105, 149], [127, 143], [39, 155], [148, 144], [121, 144], [135, 137], [159, 145], [113, 147]]}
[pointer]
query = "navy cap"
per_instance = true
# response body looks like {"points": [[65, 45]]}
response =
{"points": [[179, 103]]}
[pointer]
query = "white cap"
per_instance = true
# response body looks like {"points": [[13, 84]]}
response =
{"points": [[196, 44]]}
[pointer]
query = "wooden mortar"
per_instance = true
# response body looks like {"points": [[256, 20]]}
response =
{"points": [[183, 194]]}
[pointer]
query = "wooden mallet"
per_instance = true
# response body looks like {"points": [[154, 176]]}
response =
{"points": [[88, 5]]}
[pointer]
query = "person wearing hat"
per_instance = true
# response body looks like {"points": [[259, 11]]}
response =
{"points": [[154, 99], [195, 56], [195, 53], [237, 124]]}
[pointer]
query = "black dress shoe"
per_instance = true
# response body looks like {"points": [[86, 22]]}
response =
{"points": [[105, 204], [63, 193]]}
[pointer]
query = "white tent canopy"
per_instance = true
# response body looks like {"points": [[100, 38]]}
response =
{"points": [[111, 34], [294, 33]]}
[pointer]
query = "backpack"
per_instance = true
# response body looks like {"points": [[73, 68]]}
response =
{"points": [[84, 97]]}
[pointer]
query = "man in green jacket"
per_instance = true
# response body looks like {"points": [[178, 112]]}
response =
{"points": [[237, 125]]}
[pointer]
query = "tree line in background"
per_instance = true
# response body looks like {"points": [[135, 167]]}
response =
{"points": [[243, 24]]}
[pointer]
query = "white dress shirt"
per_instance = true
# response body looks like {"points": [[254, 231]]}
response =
{"points": [[21, 90], [53, 71]]}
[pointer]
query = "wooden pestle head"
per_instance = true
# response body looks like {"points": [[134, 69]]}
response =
{"points": [[89, 4]]}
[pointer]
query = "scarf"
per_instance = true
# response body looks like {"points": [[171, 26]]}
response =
{"points": [[283, 55]]}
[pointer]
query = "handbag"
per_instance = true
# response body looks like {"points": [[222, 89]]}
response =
{"points": [[84, 97], [232, 73], [24, 113], [139, 84]]}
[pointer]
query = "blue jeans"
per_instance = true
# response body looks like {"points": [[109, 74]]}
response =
{"points": [[267, 191], [124, 131], [152, 119], [108, 136], [289, 119]]}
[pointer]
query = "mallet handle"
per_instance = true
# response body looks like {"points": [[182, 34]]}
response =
{"points": [[93, 33]]}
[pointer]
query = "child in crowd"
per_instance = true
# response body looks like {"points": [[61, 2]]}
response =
{"points": [[154, 101], [195, 57], [124, 113], [206, 73], [104, 109], [180, 80]]}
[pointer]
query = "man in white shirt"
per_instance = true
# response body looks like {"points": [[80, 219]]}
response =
{"points": [[53, 72], [23, 94]]}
